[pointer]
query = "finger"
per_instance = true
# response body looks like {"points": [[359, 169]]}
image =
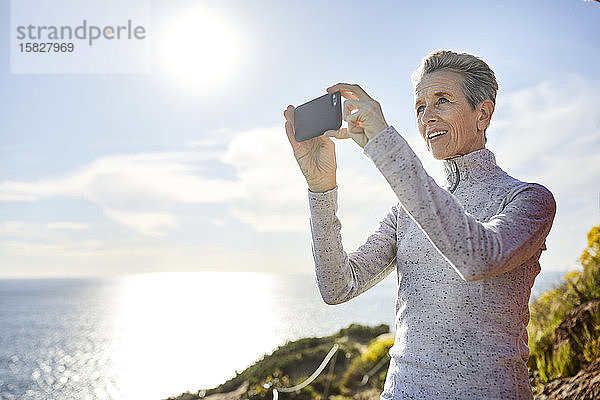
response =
{"points": [[356, 122], [346, 90], [349, 106], [359, 138], [349, 91], [347, 94], [338, 134], [289, 130], [289, 114], [326, 139]]}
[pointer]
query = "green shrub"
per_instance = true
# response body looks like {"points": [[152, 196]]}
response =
{"points": [[590, 342], [558, 365], [563, 362], [376, 350], [362, 333], [291, 363], [585, 285], [376, 355], [548, 311]]}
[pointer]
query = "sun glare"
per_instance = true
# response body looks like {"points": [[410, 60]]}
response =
{"points": [[200, 48], [195, 322]]}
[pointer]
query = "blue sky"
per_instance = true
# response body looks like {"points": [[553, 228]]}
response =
{"points": [[187, 168]]}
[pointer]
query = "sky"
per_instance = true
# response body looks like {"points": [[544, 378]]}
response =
{"points": [[186, 166]]}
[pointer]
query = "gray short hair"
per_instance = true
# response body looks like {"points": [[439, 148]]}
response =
{"points": [[479, 82]]}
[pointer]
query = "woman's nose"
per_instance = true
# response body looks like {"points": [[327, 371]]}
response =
{"points": [[428, 115]]}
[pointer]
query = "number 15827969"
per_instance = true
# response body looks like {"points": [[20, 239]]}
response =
{"points": [[46, 47]]}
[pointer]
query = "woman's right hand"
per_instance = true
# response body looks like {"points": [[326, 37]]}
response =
{"points": [[316, 157]]}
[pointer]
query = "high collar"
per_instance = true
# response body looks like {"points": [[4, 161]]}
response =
{"points": [[474, 165]]}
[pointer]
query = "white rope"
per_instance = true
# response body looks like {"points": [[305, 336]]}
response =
{"points": [[376, 368], [310, 378]]}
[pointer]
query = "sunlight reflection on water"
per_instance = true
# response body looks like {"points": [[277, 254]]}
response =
{"points": [[153, 336], [197, 325]]}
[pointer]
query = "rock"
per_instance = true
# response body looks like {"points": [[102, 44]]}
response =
{"points": [[583, 386], [571, 329]]}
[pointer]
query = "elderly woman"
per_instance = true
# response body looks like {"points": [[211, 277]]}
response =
{"points": [[466, 253]]}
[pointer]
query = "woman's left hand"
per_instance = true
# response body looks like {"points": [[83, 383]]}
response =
{"points": [[365, 123]]}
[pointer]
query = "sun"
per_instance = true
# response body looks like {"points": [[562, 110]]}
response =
{"points": [[200, 47]]}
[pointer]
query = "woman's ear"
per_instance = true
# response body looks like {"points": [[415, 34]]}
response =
{"points": [[486, 109]]}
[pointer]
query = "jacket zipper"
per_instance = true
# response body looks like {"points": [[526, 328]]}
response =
{"points": [[456, 174]]}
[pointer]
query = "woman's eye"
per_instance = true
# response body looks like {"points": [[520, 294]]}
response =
{"points": [[443, 100], [420, 109]]}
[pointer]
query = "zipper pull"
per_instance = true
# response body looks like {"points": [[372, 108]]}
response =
{"points": [[456, 174]]}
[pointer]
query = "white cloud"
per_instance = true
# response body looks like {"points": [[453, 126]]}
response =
{"points": [[536, 126], [275, 192], [68, 226], [219, 223], [148, 223], [136, 190], [549, 133], [203, 143], [42, 232], [273, 188], [269, 193]]}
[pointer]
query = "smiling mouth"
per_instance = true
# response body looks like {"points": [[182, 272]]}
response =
{"points": [[436, 134]]}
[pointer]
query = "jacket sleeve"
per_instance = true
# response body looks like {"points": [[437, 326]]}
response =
{"points": [[476, 250], [342, 276]]}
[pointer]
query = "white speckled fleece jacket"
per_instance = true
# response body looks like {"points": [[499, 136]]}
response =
{"points": [[466, 256]]}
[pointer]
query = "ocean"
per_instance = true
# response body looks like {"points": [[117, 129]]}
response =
{"points": [[152, 336]]}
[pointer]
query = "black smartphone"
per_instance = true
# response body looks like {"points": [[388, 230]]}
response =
{"points": [[314, 118]]}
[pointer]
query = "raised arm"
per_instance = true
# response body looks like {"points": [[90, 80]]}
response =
{"points": [[342, 276], [476, 250]]}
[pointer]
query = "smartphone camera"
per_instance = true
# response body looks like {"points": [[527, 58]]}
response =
{"points": [[334, 99]]}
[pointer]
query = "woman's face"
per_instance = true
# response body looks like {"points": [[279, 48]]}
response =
{"points": [[444, 117]]}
